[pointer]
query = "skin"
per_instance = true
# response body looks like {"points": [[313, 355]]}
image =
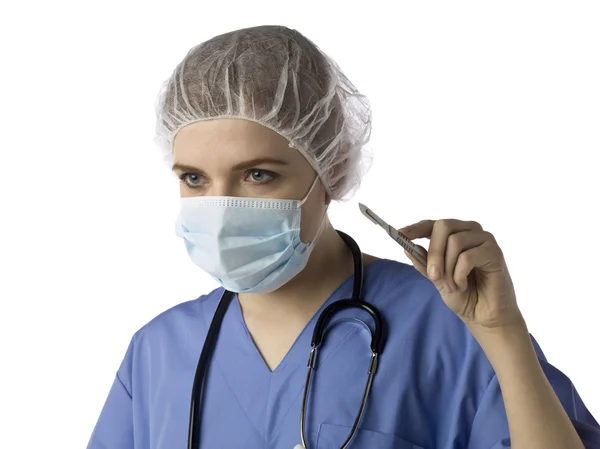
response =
{"points": [[211, 150], [473, 278], [467, 267]]}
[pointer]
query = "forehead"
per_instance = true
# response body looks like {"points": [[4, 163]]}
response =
{"points": [[230, 141]]}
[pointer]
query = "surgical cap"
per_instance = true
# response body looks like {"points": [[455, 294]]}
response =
{"points": [[278, 78]]}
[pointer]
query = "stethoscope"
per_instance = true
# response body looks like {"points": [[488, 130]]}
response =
{"points": [[317, 337]]}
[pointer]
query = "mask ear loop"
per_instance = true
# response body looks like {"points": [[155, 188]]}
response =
{"points": [[309, 191], [314, 240]]}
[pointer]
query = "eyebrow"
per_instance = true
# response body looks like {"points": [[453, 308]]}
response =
{"points": [[242, 165]]}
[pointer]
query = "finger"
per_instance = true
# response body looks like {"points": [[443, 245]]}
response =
{"points": [[457, 244], [442, 229], [418, 230], [465, 264], [487, 257], [424, 228]]}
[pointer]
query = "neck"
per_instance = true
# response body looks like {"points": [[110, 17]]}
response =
{"points": [[329, 265]]}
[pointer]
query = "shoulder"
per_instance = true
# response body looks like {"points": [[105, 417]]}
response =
{"points": [[180, 326], [399, 288], [180, 320], [410, 300], [175, 332], [422, 328]]}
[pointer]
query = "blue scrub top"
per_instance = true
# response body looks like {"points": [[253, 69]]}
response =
{"points": [[434, 387]]}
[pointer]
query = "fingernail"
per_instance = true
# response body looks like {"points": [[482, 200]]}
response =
{"points": [[434, 273], [405, 230]]}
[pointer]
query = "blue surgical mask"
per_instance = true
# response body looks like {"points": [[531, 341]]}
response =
{"points": [[249, 245]]}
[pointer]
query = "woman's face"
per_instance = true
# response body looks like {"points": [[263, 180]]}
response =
{"points": [[231, 157]]}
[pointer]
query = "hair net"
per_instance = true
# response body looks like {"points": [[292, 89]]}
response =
{"points": [[278, 78]]}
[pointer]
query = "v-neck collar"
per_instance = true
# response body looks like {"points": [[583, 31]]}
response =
{"points": [[235, 326], [300, 348], [266, 396]]}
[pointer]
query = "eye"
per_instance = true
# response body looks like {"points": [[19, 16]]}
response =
{"points": [[192, 180], [261, 176]]}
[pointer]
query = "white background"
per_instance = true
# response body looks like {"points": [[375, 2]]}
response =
{"points": [[485, 111]]}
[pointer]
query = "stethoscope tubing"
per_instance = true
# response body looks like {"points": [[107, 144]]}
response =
{"points": [[324, 318]]}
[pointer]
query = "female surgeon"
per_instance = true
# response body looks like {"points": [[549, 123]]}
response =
{"points": [[264, 131]]}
